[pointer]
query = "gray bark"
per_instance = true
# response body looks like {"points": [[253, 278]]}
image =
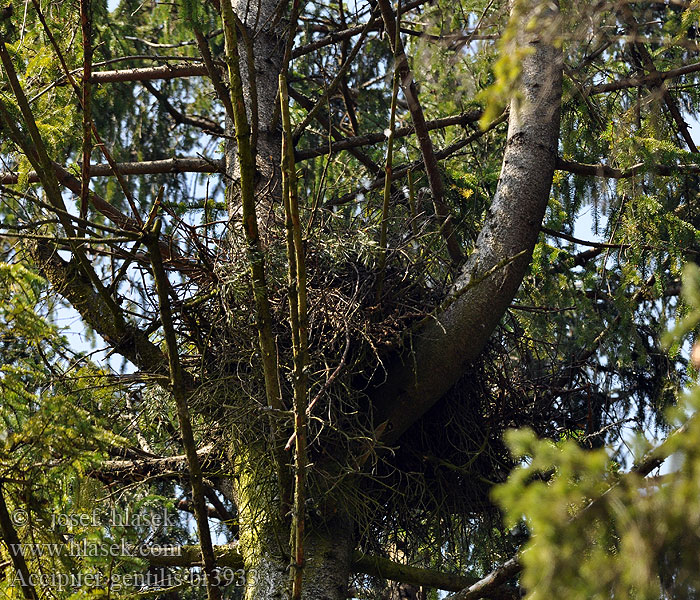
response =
{"points": [[264, 540], [326, 569], [268, 47], [443, 347], [263, 533]]}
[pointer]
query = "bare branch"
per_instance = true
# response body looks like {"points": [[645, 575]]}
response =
{"points": [[601, 170], [493, 580], [140, 468], [379, 136], [432, 169], [338, 36], [149, 167], [375, 566], [68, 281], [201, 122], [149, 73], [650, 79]]}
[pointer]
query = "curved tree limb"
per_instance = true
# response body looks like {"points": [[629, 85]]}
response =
{"points": [[69, 281], [442, 348]]}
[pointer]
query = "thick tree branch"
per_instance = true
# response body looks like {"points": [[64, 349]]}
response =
{"points": [[484, 587], [375, 566], [140, 468], [149, 167], [442, 348], [68, 281], [149, 73], [189, 556]]}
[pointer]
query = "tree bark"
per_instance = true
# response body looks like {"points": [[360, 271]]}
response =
{"points": [[264, 545], [258, 17], [494, 271], [264, 531]]}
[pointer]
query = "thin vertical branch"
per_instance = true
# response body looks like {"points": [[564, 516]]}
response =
{"points": [[287, 56], [11, 539], [86, 28], [387, 176], [178, 388], [252, 86], [256, 259], [412, 202], [79, 93], [33, 146], [213, 71], [299, 323], [432, 170]]}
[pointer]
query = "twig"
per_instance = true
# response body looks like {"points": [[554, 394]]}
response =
{"points": [[300, 325], [432, 169], [387, 172], [93, 127], [299, 130], [178, 389]]}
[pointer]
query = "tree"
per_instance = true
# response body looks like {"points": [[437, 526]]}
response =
{"points": [[323, 347]]}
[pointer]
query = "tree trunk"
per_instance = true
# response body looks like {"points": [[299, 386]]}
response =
{"points": [[264, 541], [508, 237], [260, 92]]}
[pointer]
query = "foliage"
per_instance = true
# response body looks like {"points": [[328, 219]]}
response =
{"points": [[578, 357], [596, 531]]}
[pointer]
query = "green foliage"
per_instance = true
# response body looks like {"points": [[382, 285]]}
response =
{"points": [[57, 425], [599, 532], [578, 357]]}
